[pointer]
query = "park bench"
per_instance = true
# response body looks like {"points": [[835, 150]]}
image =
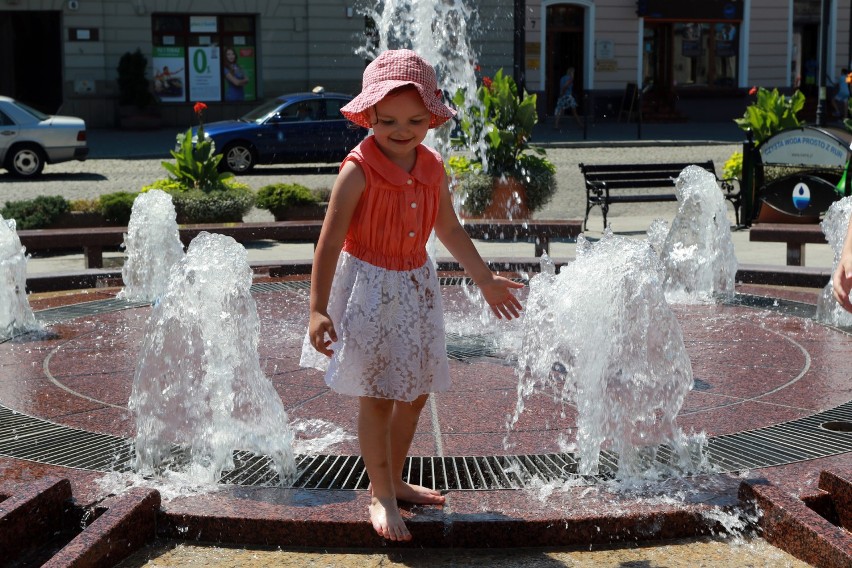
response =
{"points": [[612, 183], [94, 240], [796, 236]]}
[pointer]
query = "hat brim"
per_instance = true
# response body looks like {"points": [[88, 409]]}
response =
{"points": [[357, 109]]}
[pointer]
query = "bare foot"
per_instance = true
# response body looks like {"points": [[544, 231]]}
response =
{"points": [[387, 520], [417, 494]]}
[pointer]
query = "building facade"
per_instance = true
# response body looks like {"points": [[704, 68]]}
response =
{"points": [[690, 59]]}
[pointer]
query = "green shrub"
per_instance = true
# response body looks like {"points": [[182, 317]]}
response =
{"points": [[280, 196], [35, 213], [197, 206], [84, 206], [733, 168], [477, 189], [538, 176], [116, 207]]}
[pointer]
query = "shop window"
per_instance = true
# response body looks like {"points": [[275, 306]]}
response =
{"points": [[704, 54], [204, 57]]}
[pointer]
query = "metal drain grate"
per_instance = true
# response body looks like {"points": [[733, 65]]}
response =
{"points": [[65, 313], [34, 439]]}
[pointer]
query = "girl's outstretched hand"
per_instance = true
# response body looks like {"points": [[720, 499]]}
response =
{"points": [[498, 293], [319, 326]]}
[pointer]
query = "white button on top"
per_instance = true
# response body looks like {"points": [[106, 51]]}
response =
{"points": [[413, 205], [410, 181], [411, 234]]}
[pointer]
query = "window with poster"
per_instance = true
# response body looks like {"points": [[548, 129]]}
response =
{"points": [[204, 57], [691, 44]]}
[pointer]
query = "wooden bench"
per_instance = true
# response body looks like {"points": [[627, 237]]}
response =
{"points": [[541, 231], [606, 184], [796, 236], [93, 240]]}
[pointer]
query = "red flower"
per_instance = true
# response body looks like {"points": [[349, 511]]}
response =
{"points": [[752, 91], [487, 82], [199, 108], [476, 68]]}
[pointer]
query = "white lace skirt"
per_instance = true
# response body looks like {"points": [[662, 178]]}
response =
{"points": [[390, 331]]}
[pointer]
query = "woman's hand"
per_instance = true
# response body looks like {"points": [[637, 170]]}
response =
{"points": [[498, 293], [320, 326]]}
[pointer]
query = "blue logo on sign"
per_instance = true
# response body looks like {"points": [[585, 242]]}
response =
{"points": [[729, 10], [801, 196]]}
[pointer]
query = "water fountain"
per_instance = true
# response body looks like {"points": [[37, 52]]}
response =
{"points": [[198, 382], [153, 246], [601, 335], [697, 252], [460, 439], [16, 316], [834, 226]]}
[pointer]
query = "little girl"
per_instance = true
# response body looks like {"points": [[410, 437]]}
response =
{"points": [[376, 307]]}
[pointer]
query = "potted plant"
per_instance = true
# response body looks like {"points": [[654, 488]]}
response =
{"points": [[504, 177], [200, 192], [136, 103], [290, 202]]}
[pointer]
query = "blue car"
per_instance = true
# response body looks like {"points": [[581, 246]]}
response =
{"points": [[292, 129]]}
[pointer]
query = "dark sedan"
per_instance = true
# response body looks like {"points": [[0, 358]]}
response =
{"points": [[291, 129]]}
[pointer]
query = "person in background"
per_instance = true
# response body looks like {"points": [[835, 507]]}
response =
{"points": [[566, 99], [841, 98]]}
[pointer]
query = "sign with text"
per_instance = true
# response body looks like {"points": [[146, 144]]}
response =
{"points": [[205, 78], [805, 146]]}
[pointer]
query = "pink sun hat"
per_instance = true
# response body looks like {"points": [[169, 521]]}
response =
{"points": [[395, 68]]}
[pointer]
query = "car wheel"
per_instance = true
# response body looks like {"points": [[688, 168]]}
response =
{"points": [[238, 158], [26, 160]]}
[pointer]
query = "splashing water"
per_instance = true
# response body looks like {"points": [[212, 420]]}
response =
{"points": [[439, 32], [834, 226], [198, 381], [601, 335], [16, 316], [697, 253], [153, 246]]}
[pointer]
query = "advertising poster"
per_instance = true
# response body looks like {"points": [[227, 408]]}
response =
{"points": [[169, 73], [238, 75], [204, 78]]}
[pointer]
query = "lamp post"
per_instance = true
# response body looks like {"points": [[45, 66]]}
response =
{"points": [[519, 70], [825, 19]]}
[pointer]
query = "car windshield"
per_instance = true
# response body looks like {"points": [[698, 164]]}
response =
{"points": [[36, 113], [261, 112]]}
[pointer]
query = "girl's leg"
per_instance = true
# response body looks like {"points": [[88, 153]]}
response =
{"points": [[374, 418], [403, 425]]}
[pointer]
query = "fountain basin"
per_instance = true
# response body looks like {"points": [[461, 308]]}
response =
{"points": [[756, 364]]}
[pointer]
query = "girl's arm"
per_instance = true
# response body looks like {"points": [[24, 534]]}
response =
{"points": [[345, 194], [841, 282], [495, 289]]}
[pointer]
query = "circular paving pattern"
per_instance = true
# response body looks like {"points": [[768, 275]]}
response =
{"points": [[756, 363]]}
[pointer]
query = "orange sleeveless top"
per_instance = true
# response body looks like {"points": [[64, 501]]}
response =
{"points": [[397, 211]]}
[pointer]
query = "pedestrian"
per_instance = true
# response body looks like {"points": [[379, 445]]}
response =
{"points": [[376, 318], [566, 99], [841, 98]]}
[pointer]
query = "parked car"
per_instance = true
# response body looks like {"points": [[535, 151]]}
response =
{"points": [[29, 139], [290, 129]]}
